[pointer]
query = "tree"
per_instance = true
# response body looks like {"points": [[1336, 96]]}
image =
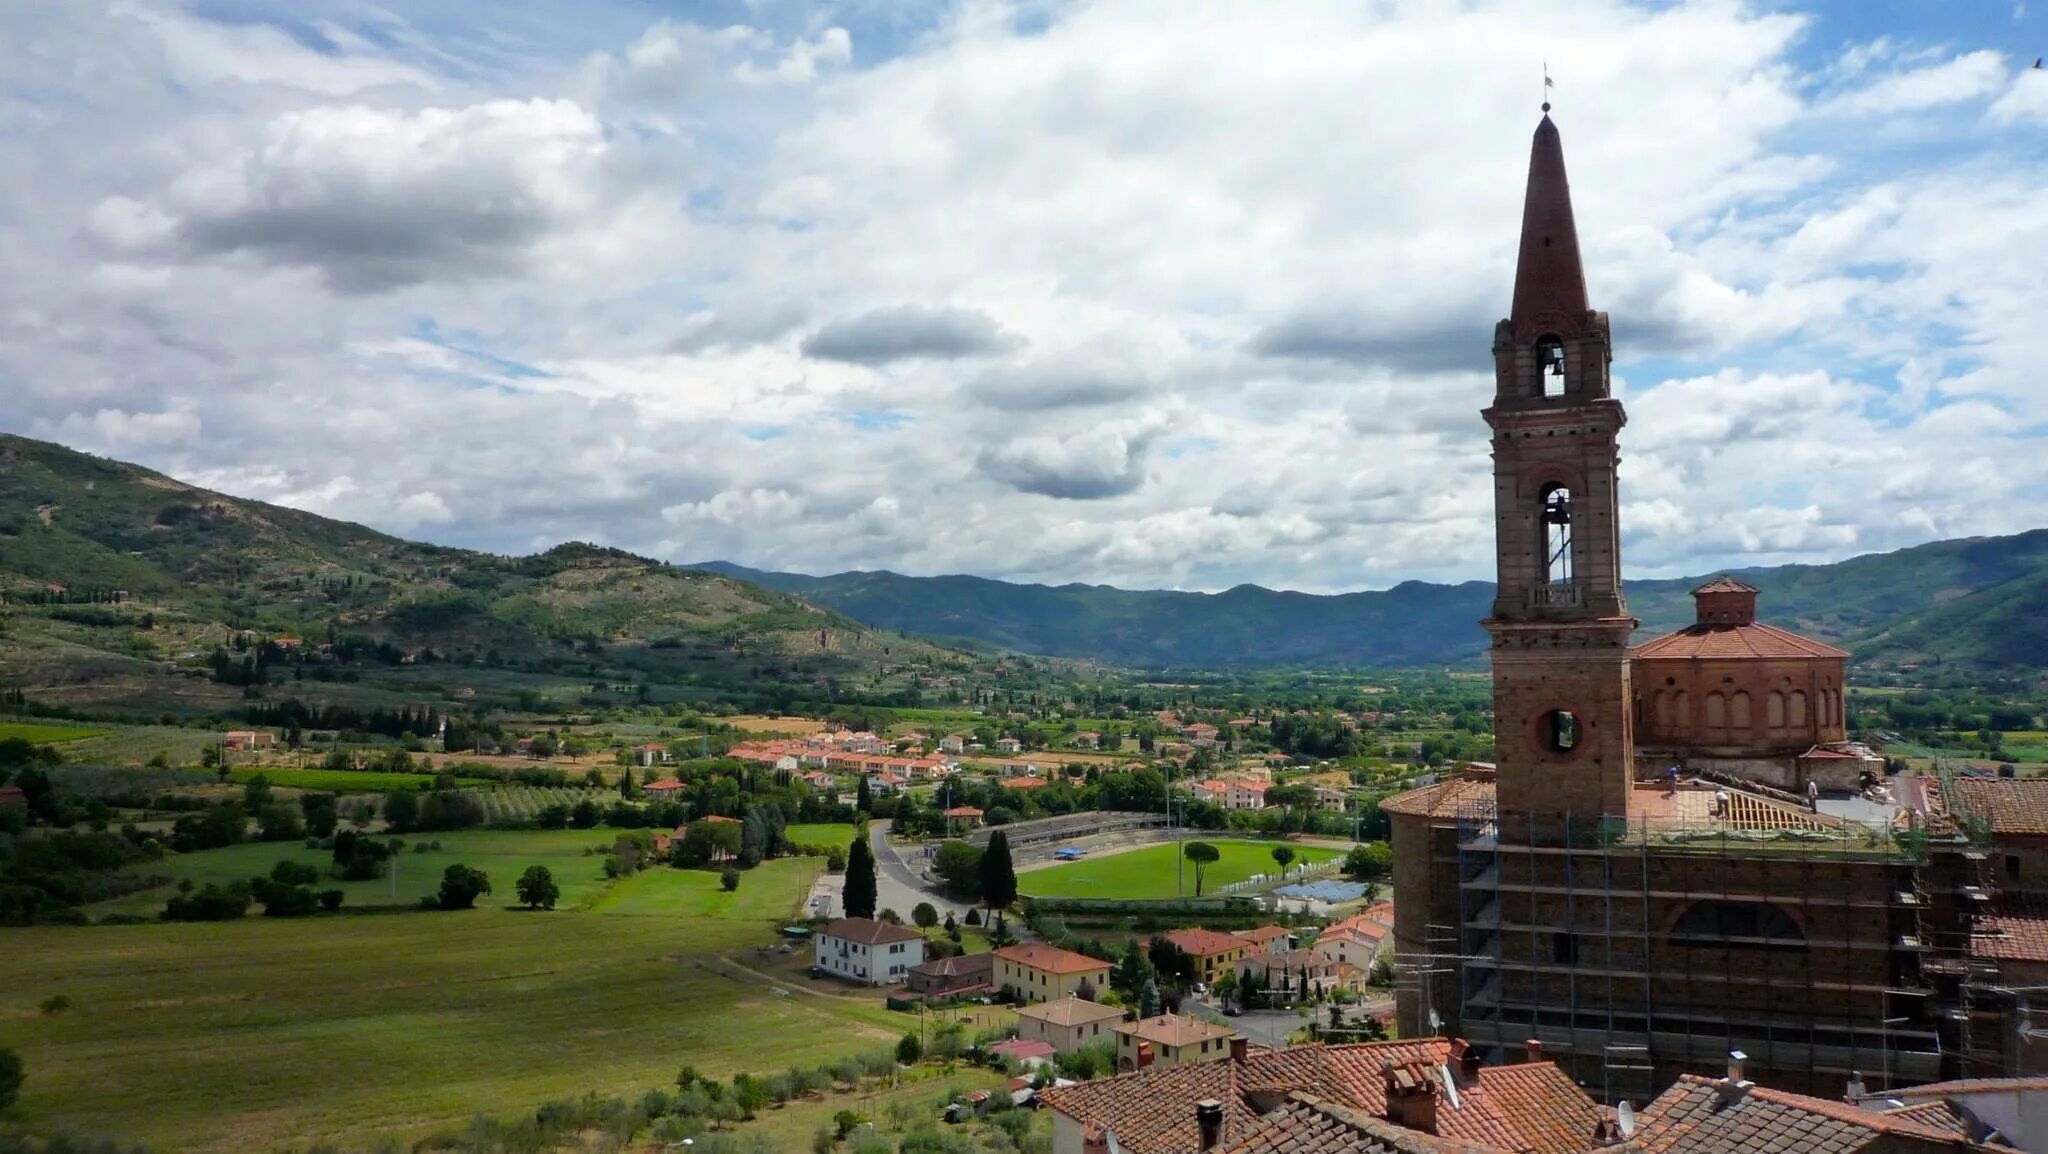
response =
{"points": [[1283, 856], [401, 811], [627, 789], [461, 886], [859, 897], [537, 888], [1148, 1000], [998, 875], [729, 879], [924, 915], [1374, 859], [863, 797], [12, 1074], [1131, 974], [1202, 854], [586, 815], [909, 1049], [959, 863]]}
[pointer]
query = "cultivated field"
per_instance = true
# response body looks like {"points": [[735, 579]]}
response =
{"points": [[262, 1035], [1149, 872], [569, 855], [43, 734]]}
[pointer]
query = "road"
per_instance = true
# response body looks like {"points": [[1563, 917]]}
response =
{"points": [[899, 884]]}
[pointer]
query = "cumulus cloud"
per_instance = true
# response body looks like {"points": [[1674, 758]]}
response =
{"points": [[120, 429], [376, 199], [1969, 76], [1088, 465], [907, 332]]}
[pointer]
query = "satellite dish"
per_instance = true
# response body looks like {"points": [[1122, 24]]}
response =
{"points": [[1436, 1024], [1625, 1116], [1450, 1086]]}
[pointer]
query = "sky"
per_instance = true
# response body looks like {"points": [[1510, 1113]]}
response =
{"points": [[1155, 293]]}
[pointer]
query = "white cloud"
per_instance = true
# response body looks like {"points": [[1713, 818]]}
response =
{"points": [[1967, 77], [118, 429]]}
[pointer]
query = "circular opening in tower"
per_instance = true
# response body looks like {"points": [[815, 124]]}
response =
{"points": [[1559, 730]]}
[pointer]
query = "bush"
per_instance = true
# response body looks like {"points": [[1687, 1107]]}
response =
{"points": [[330, 900], [11, 1076], [214, 903], [909, 1050], [54, 1004], [729, 879]]}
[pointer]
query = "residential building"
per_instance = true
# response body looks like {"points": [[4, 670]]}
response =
{"points": [[1301, 972], [873, 953], [664, 789], [651, 753], [1068, 1023], [953, 976], [1584, 894], [1023, 783], [1170, 1040], [1267, 939], [1245, 793], [1358, 939], [1215, 953], [1043, 973], [1252, 1102], [953, 743], [1332, 800], [962, 817], [1086, 739], [1024, 1051], [252, 740], [1009, 745]]}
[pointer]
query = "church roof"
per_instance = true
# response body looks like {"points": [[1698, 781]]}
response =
{"points": [[1550, 282], [1723, 642], [1724, 584]]}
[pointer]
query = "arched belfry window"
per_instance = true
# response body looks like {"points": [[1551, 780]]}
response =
{"points": [[1550, 365], [1557, 535]]}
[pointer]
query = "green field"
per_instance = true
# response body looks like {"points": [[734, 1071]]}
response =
{"points": [[343, 780], [821, 833], [502, 854], [768, 892], [1150, 872], [267, 1035], [44, 734]]}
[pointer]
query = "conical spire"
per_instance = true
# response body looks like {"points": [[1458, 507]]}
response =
{"points": [[1549, 281]]}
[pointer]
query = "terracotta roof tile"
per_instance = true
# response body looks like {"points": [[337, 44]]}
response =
{"points": [[1725, 584], [870, 932], [1732, 642], [1051, 959], [1308, 1124], [1444, 799], [2015, 930], [2014, 805], [1203, 943], [1069, 1011], [1174, 1030], [1695, 1117]]}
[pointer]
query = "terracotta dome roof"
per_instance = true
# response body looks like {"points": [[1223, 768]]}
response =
{"points": [[1733, 642], [1724, 584]]}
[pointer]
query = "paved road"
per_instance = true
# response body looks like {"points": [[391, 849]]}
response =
{"points": [[899, 884]]}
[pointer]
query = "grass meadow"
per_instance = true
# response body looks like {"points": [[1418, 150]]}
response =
{"points": [[45, 734], [821, 833], [272, 1034], [502, 854], [1150, 872]]}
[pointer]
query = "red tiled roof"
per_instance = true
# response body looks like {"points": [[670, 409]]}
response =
{"points": [[1260, 935], [1051, 959], [1960, 1087], [1069, 1011], [1695, 1117], [1174, 1030], [963, 811], [1444, 799], [1308, 1124], [1203, 943], [870, 932], [1533, 1108], [2014, 805], [1023, 782], [2015, 930], [1724, 584], [1714, 641]]}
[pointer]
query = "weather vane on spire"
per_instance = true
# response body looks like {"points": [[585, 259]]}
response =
{"points": [[1548, 84]]}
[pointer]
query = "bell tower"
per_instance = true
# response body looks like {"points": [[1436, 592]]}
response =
{"points": [[1559, 626]]}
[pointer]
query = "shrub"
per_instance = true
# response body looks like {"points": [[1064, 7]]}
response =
{"points": [[330, 900], [213, 903], [729, 879], [909, 1050], [11, 1075], [54, 1004]]}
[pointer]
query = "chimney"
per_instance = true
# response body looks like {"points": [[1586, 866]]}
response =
{"points": [[1095, 1141], [1411, 1095], [1240, 1048], [1733, 1087], [1464, 1062], [1535, 1048], [1144, 1055], [1209, 1121]]}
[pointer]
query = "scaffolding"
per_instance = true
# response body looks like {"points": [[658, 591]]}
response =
{"points": [[1636, 949]]}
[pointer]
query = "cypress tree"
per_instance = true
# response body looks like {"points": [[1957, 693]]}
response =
{"points": [[998, 875], [859, 897]]}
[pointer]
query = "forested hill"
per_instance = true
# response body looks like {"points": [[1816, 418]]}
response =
{"points": [[117, 584], [1977, 603]]}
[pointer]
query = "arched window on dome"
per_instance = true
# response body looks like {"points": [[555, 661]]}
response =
{"points": [[1738, 711], [1797, 705], [1550, 364], [1717, 711], [1774, 710], [1557, 535]]}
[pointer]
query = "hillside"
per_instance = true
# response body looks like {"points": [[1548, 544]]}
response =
{"points": [[119, 585], [1978, 603]]}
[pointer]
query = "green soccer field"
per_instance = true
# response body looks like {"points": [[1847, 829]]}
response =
{"points": [[1150, 872]]}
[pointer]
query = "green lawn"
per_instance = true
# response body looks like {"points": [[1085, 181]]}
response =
{"points": [[768, 893], [267, 1035], [822, 833], [44, 734], [1149, 872], [344, 780], [502, 854]]}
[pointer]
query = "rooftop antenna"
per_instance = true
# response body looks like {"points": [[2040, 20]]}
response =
{"points": [[1548, 84]]}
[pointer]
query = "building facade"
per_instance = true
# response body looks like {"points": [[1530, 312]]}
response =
{"points": [[867, 951], [1638, 929], [1068, 1023], [1043, 973]]}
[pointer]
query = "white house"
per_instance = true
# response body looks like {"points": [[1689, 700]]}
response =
{"points": [[1009, 745], [867, 951]]}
